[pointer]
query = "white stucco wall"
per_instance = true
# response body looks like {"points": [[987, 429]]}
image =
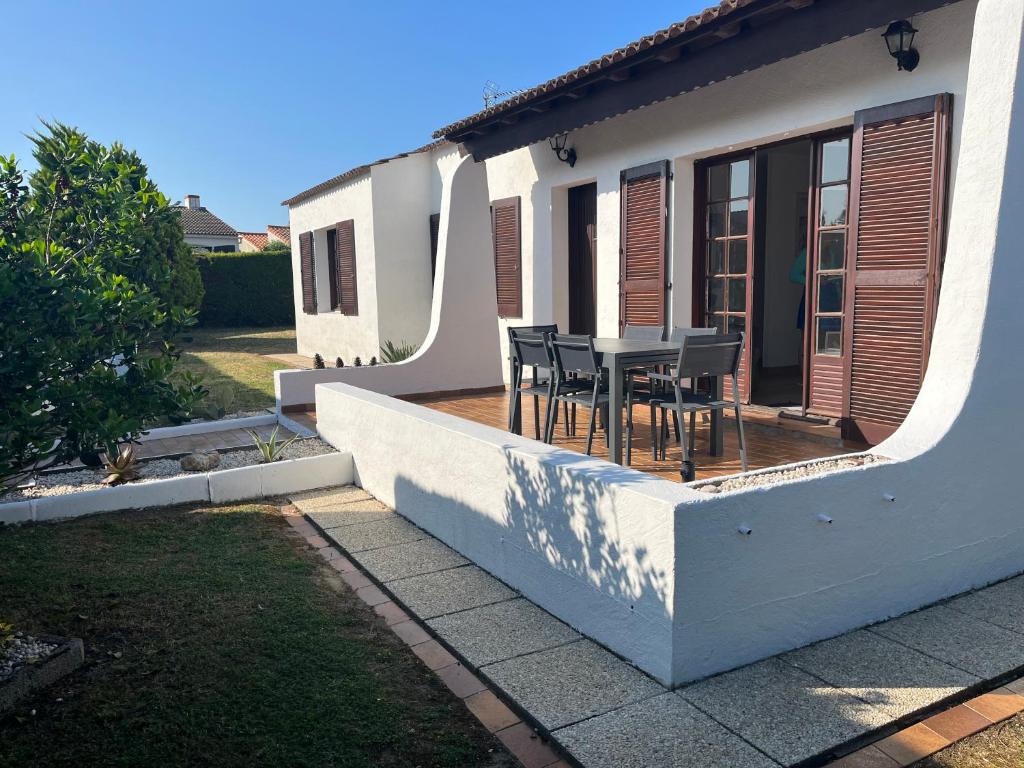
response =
{"points": [[329, 332], [814, 91]]}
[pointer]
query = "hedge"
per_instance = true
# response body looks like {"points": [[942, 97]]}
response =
{"points": [[246, 288]]}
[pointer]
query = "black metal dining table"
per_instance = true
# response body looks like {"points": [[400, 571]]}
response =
{"points": [[616, 357]]}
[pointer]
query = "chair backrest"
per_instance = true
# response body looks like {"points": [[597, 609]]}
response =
{"points": [[678, 334], [573, 353], [527, 329], [530, 348], [643, 332], [710, 355]]}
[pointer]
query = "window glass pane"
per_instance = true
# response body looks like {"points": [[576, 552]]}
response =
{"points": [[716, 321], [716, 219], [833, 206], [716, 297], [738, 295], [831, 250], [718, 182], [738, 256], [830, 293], [739, 181], [716, 257], [737, 323], [835, 161], [738, 217], [829, 336]]}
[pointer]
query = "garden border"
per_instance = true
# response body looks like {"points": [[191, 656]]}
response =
{"points": [[202, 427]]}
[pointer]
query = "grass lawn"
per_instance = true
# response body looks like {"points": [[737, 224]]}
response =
{"points": [[213, 637], [234, 358]]}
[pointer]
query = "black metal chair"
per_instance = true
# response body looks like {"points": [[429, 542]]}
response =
{"points": [[574, 354], [528, 348], [699, 356], [644, 332]]}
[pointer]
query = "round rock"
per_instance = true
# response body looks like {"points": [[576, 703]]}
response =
{"points": [[200, 461]]}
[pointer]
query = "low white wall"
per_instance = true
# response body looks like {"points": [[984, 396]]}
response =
{"points": [[461, 349], [589, 541]]}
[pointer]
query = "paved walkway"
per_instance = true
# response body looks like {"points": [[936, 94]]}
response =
{"points": [[207, 441], [798, 706]]}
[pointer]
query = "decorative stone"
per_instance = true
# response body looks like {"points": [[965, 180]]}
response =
{"points": [[200, 461]]}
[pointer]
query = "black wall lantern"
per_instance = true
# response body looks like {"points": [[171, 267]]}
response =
{"points": [[899, 38], [558, 146]]}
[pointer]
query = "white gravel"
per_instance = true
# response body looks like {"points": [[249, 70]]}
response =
{"points": [[24, 649], [75, 480], [782, 475]]}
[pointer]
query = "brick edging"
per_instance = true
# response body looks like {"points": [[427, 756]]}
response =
{"points": [[527, 742]]}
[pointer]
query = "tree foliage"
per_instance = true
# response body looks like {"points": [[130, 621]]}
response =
{"points": [[91, 303]]}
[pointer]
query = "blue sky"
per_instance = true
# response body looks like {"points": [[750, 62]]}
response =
{"points": [[248, 103]]}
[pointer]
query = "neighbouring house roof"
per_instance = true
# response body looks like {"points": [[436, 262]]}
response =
{"points": [[608, 60], [278, 232], [257, 240], [199, 221], [354, 173]]}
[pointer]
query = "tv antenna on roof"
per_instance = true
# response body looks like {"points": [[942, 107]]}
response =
{"points": [[493, 93]]}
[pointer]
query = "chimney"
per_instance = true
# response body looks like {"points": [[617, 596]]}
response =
{"points": [[192, 201]]}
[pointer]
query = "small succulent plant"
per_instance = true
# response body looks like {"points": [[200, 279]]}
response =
{"points": [[395, 353], [339, 363], [373, 361], [318, 361], [270, 450], [359, 363], [123, 467]]}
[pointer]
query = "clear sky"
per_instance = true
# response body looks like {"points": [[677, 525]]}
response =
{"points": [[246, 104]]}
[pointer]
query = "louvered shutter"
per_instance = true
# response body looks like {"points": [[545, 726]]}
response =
{"points": [[642, 251], [332, 266], [508, 255], [898, 213], [345, 244], [308, 270], [435, 227]]}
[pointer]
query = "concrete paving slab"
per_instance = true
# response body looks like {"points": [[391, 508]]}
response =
{"points": [[409, 559], [783, 711], [502, 630], [1001, 604], [329, 497], [895, 679], [353, 513], [957, 638], [663, 731], [380, 533], [456, 589], [570, 683]]}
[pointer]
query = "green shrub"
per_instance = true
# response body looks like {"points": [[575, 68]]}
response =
{"points": [[246, 289]]}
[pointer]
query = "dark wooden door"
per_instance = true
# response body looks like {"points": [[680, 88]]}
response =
{"points": [[900, 158], [643, 289], [582, 259], [827, 245], [725, 191]]}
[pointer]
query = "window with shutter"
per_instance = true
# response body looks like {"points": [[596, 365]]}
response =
{"points": [[332, 266], [435, 227], [308, 272], [505, 228], [642, 253], [898, 214], [348, 300]]}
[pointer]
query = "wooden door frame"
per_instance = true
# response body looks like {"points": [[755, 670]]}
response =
{"points": [[569, 247]]}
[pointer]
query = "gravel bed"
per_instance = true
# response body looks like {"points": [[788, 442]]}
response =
{"points": [[75, 480], [24, 649], [782, 475]]}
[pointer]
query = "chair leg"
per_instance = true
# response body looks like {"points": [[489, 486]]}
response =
{"points": [[536, 416], [565, 413], [675, 425], [654, 433], [593, 418], [549, 432], [686, 468], [742, 439], [517, 397], [693, 430], [574, 419]]}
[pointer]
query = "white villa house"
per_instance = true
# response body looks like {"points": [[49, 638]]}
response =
{"points": [[851, 200]]}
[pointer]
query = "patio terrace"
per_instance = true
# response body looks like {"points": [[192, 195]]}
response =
{"points": [[768, 445]]}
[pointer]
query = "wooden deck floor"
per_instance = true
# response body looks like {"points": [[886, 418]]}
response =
{"points": [[767, 446]]}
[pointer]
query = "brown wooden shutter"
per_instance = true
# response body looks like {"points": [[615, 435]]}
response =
{"points": [[900, 156], [643, 217], [508, 256], [435, 227], [348, 300], [332, 266], [308, 270]]}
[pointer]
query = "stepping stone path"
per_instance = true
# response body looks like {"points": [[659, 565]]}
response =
{"points": [[778, 712]]}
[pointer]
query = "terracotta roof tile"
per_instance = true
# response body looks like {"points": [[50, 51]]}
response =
{"points": [[257, 240], [279, 232], [719, 11]]}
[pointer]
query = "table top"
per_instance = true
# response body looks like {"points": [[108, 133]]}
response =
{"points": [[609, 345]]}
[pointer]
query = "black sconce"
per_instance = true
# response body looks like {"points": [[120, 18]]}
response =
{"points": [[558, 147], [899, 38]]}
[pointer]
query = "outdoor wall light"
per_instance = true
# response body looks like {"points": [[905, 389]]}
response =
{"points": [[745, 530], [899, 39], [889, 497], [558, 147], [823, 518]]}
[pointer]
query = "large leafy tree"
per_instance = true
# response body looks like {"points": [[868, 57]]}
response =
{"points": [[90, 301]]}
